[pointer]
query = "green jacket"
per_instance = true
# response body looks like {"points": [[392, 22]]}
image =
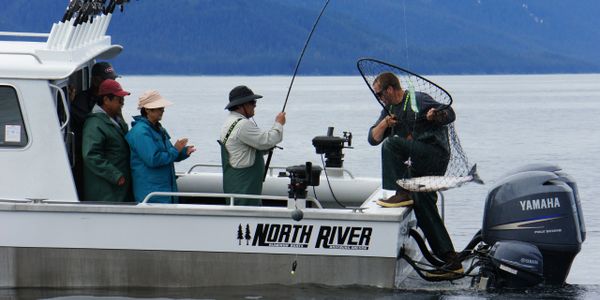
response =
{"points": [[105, 159]]}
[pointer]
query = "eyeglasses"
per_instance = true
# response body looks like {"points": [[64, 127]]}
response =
{"points": [[118, 98], [380, 93]]}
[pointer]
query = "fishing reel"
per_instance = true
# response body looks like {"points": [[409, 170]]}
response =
{"points": [[332, 147], [301, 177]]}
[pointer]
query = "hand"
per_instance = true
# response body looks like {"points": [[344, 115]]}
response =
{"points": [[190, 149], [389, 121], [180, 144], [280, 118], [121, 181], [435, 115]]}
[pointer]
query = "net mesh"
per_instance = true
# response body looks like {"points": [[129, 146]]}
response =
{"points": [[371, 68]]}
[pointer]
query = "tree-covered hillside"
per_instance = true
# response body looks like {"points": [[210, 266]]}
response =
{"points": [[266, 36]]}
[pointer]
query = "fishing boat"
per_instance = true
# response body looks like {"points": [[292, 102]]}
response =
{"points": [[51, 238]]}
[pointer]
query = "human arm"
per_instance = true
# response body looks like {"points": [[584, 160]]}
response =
{"points": [[147, 145], [435, 112], [184, 149], [381, 129], [256, 138], [94, 141]]}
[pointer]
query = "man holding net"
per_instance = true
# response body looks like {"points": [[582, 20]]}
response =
{"points": [[415, 143]]}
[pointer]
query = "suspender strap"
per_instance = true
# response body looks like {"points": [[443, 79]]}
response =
{"points": [[230, 130]]}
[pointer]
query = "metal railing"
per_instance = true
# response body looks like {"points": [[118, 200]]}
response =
{"points": [[25, 200], [231, 197], [270, 172], [24, 34]]}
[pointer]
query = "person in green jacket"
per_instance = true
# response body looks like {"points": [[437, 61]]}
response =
{"points": [[106, 168]]}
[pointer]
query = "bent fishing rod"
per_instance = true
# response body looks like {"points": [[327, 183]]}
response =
{"points": [[294, 77]]}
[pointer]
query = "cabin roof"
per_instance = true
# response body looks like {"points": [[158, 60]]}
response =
{"points": [[67, 48]]}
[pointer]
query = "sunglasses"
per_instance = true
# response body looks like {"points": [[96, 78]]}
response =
{"points": [[380, 93]]}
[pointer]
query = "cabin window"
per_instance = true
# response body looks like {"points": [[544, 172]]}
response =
{"points": [[12, 127]]}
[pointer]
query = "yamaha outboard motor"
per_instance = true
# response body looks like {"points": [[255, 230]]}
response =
{"points": [[537, 205], [511, 264]]}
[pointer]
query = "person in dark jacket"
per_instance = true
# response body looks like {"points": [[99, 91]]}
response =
{"points": [[152, 154], [105, 151], [415, 144], [81, 106]]}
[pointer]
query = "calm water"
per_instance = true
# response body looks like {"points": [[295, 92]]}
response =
{"points": [[503, 121]]}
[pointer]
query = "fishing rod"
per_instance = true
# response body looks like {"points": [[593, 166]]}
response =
{"points": [[294, 77], [84, 10]]}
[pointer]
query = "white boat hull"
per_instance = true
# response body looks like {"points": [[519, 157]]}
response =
{"points": [[79, 245]]}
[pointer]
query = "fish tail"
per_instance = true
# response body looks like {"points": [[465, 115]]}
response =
{"points": [[473, 173]]}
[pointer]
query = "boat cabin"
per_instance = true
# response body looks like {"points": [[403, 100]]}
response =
{"points": [[39, 74]]}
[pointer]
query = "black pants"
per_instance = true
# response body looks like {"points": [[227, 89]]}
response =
{"points": [[426, 160]]}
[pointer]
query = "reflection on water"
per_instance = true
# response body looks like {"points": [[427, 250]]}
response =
{"points": [[306, 292]]}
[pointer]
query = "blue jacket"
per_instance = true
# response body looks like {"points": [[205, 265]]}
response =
{"points": [[152, 158]]}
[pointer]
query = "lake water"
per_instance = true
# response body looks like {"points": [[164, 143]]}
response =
{"points": [[503, 122]]}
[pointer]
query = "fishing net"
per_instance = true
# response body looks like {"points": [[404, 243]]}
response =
{"points": [[370, 68]]}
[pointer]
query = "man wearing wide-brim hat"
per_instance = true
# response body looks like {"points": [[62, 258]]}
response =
{"points": [[243, 145]]}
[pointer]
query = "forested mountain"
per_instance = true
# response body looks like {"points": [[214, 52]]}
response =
{"points": [[265, 36]]}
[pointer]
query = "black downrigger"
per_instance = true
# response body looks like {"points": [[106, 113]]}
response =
{"points": [[532, 230], [303, 176]]}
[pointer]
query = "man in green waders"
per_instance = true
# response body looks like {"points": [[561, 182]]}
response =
{"points": [[243, 145], [415, 143]]}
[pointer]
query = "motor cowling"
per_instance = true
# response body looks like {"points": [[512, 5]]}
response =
{"points": [[537, 204], [511, 264]]}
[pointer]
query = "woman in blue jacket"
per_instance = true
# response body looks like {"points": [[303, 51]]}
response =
{"points": [[152, 154]]}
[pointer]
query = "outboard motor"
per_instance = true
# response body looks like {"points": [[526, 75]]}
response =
{"points": [[536, 204], [511, 264]]}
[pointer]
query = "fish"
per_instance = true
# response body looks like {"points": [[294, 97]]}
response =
{"points": [[438, 183]]}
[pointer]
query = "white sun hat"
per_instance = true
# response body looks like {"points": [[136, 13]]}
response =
{"points": [[152, 99]]}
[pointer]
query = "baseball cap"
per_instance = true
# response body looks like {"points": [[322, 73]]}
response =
{"points": [[104, 70], [112, 87]]}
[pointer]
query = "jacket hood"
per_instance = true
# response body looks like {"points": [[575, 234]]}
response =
{"points": [[139, 119]]}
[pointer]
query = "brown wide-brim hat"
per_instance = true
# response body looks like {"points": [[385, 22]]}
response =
{"points": [[240, 95]]}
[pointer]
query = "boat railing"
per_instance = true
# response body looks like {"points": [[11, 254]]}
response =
{"points": [[231, 197], [270, 172], [24, 34], [25, 200]]}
